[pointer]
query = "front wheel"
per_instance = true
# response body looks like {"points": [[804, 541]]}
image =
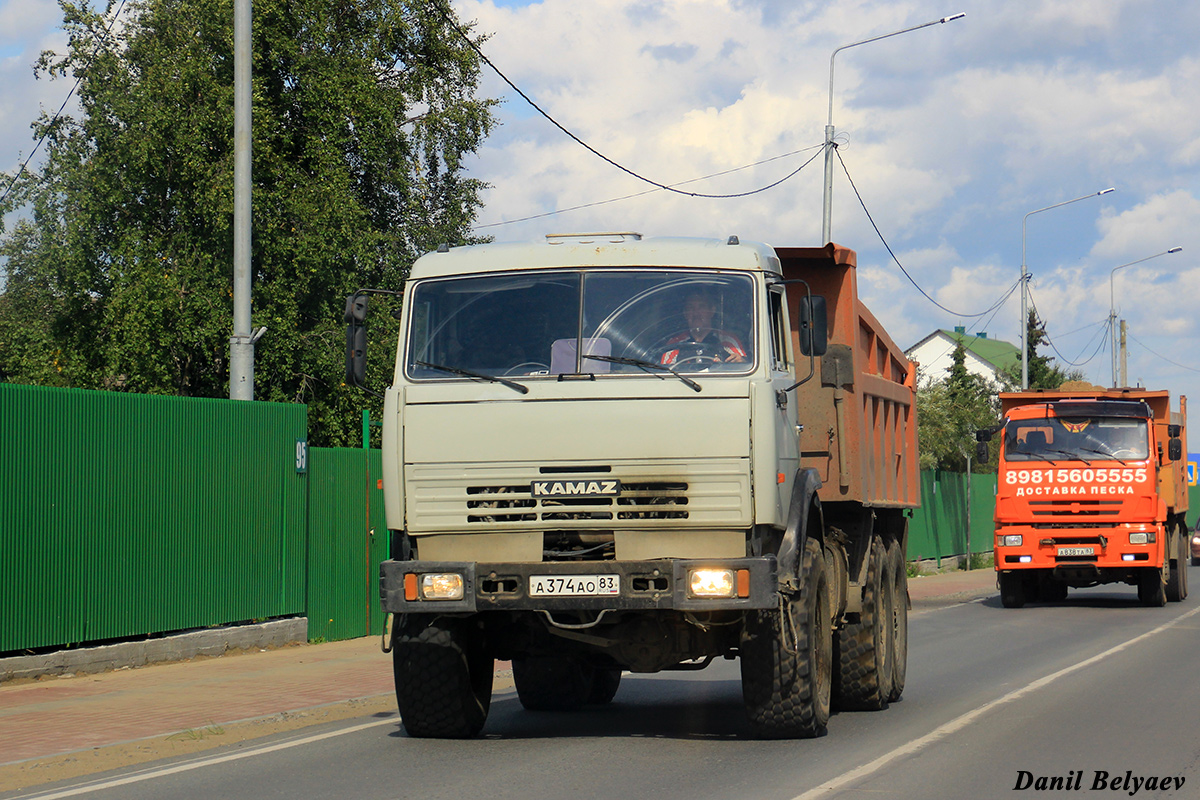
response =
{"points": [[786, 658], [1151, 589], [443, 677], [1012, 589]]}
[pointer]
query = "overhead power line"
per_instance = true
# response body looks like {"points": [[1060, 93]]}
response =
{"points": [[1160, 355], [711, 175], [912, 280], [449, 18], [25, 164], [1103, 329]]}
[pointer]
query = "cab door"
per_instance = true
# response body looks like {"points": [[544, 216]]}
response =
{"points": [[787, 432]]}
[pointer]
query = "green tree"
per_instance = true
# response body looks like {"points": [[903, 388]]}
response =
{"points": [[1043, 372], [949, 411], [121, 275]]}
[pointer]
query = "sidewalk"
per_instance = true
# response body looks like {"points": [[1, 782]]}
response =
{"points": [[61, 727]]}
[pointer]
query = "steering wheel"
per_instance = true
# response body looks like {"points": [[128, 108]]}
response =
{"points": [[513, 369], [693, 353]]}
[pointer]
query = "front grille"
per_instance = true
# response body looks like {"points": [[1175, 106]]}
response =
{"points": [[637, 501], [1050, 514]]}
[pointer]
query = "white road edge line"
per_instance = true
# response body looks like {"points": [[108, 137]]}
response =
{"points": [[961, 722], [206, 762]]}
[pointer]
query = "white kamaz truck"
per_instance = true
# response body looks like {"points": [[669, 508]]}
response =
{"points": [[604, 453]]}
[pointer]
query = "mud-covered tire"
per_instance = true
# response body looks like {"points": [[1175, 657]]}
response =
{"points": [[863, 650], [605, 682], [1177, 589], [443, 678], [1151, 590], [786, 665], [552, 683], [899, 576], [1012, 589]]}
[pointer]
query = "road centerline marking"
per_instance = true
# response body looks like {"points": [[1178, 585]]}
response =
{"points": [[960, 722]]}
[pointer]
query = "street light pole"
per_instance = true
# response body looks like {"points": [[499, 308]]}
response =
{"points": [[827, 200], [241, 344], [1025, 282], [1112, 311]]}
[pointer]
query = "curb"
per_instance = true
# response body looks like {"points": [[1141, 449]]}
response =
{"points": [[181, 647]]}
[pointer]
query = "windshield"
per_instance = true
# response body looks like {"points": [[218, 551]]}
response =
{"points": [[546, 323], [1081, 438]]}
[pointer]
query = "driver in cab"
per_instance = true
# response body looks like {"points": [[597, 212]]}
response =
{"points": [[701, 339]]}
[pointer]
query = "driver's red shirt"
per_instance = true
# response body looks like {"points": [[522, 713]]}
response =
{"points": [[724, 339]]}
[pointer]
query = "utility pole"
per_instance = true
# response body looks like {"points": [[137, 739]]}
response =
{"points": [[1124, 370], [241, 344]]}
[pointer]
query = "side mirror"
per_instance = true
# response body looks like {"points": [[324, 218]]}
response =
{"points": [[1173, 431], [1174, 450], [814, 326], [981, 452], [356, 339]]}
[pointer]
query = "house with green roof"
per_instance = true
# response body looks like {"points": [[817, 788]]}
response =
{"points": [[985, 356]]}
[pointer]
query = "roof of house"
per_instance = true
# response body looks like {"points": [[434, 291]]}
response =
{"points": [[1000, 354]]}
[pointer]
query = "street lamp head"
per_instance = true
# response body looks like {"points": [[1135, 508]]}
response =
{"points": [[1105, 191], [1175, 250], [951, 18]]}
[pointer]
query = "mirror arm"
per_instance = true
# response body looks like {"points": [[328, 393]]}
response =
{"points": [[781, 395]]}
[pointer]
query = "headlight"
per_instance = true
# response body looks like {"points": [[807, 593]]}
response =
{"points": [[712, 583], [1011, 540], [442, 586], [1137, 538]]}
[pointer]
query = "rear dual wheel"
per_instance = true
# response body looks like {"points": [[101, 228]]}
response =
{"points": [[563, 683], [1177, 588], [898, 565], [864, 651]]}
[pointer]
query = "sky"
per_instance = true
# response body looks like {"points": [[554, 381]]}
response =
{"points": [[952, 135]]}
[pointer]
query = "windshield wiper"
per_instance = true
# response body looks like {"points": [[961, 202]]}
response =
{"points": [[466, 373], [1068, 454], [1106, 454], [646, 365]]}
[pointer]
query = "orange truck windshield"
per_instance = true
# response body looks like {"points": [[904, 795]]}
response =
{"points": [[1076, 438]]}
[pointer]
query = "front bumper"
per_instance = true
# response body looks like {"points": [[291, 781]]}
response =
{"points": [[1072, 551], [643, 585]]}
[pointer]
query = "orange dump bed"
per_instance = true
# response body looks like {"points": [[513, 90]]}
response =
{"points": [[859, 410]]}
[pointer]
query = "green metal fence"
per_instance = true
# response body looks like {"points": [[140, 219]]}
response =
{"points": [[123, 515], [347, 538], [940, 526]]}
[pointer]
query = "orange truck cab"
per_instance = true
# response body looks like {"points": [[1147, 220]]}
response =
{"points": [[1090, 490]]}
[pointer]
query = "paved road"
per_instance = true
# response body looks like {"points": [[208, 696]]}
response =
{"points": [[1094, 689]]}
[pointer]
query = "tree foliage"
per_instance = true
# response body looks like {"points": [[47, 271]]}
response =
{"points": [[949, 411], [120, 274], [1043, 372]]}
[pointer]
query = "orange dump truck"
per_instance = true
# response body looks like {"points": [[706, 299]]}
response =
{"points": [[607, 453], [1091, 489]]}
